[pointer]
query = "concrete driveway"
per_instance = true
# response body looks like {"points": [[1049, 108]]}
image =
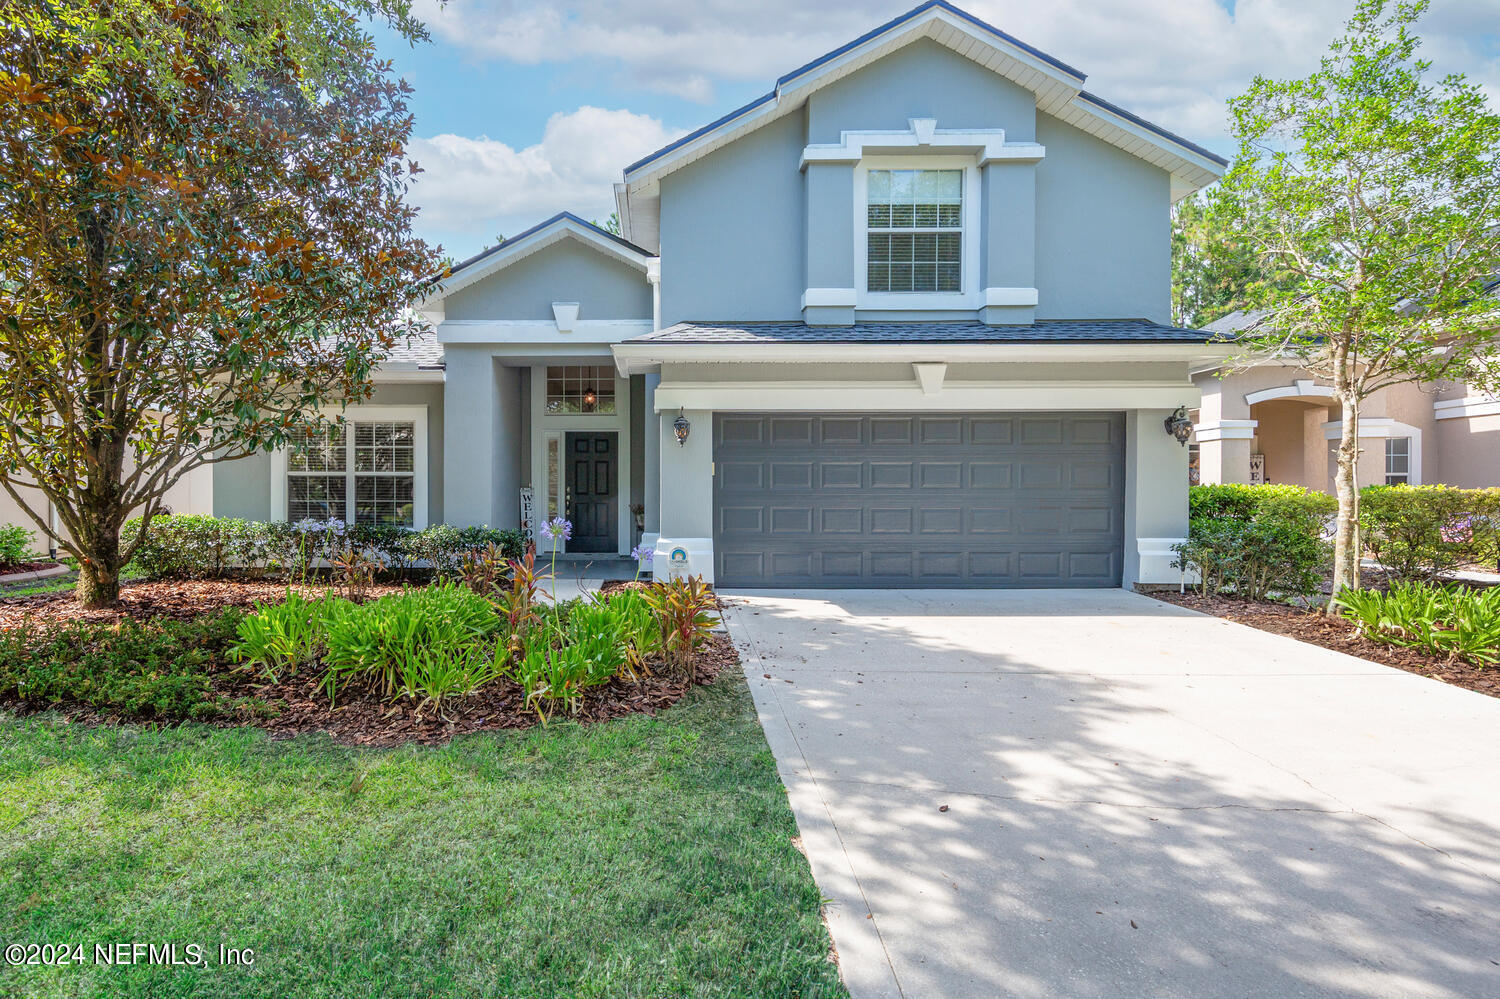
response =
{"points": [[1140, 800]]}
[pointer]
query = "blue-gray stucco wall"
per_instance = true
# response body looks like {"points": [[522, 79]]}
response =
{"points": [[569, 270], [744, 232]]}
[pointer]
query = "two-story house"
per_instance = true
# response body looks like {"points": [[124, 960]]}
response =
{"points": [[902, 321]]}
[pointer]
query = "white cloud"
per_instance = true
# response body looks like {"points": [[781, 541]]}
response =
{"points": [[1171, 60], [472, 190]]}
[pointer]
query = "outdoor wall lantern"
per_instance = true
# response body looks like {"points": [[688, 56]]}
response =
{"points": [[590, 398], [1179, 426], [681, 427]]}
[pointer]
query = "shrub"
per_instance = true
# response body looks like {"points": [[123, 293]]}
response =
{"points": [[197, 547], [1257, 540], [154, 669], [1455, 621], [426, 644], [1423, 532], [16, 545]]}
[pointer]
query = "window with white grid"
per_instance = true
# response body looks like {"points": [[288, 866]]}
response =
{"points": [[372, 463], [317, 476], [914, 231], [1397, 461]]}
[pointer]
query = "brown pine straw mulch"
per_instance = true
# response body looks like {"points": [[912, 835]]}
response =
{"points": [[297, 705], [18, 568], [1337, 634]]}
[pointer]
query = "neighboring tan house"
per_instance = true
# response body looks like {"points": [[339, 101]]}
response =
{"points": [[903, 321], [1276, 423]]}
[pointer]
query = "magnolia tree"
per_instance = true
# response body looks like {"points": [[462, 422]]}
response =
{"points": [[1377, 192], [204, 242]]}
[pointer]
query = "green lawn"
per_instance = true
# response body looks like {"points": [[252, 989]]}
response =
{"points": [[644, 857]]}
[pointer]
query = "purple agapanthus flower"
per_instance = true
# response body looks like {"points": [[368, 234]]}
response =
{"points": [[557, 527], [642, 552]]}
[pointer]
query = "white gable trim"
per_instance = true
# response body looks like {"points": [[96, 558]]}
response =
{"points": [[523, 246], [923, 134], [1057, 93]]}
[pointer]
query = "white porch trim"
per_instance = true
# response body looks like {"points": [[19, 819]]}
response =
{"points": [[922, 134], [1300, 387], [1469, 406], [777, 396], [1225, 430]]}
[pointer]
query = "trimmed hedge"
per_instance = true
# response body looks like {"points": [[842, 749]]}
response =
{"points": [[1257, 540], [1424, 532], [200, 547]]}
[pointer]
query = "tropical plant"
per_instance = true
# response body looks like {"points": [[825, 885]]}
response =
{"points": [[637, 626], [1374, 191], [1456, 621], [518, 603], [684, 614], [556, 676], [356, 568], [425, 644], [284, 636], [206, 244]]}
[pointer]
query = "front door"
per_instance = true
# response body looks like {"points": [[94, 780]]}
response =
{"points": [[593, 493]]}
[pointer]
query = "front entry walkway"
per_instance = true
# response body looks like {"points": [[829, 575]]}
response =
{"points": [[1096, 794]]}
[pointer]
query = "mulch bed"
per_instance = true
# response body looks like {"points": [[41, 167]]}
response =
{"points": [[20, 568], [1336, 634], [180, 600], [296, 705]]}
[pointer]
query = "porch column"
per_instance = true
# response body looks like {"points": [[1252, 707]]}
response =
{"points": [[481, 440], [687, 507], [1223, 432], [651, 455]]}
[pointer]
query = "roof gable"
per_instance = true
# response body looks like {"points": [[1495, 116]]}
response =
{"points": [[1058, 89], [563, 225]]}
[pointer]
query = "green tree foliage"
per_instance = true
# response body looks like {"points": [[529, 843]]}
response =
{"points": [[1378, 192], [1214, 272], [204, 241]]}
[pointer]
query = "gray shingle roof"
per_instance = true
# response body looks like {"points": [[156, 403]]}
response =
{"points": [[421, 348], [971, 331]]}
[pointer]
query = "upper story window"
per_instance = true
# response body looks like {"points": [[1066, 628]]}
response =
{"points": [[914, 230], [580, 389]]}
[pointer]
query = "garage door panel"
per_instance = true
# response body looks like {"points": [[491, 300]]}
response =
{"points": [[890, 430], [892, 474], [981, 499], [841, 474], [791, 475]]}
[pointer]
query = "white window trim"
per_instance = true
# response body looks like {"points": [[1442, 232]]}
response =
{"points": [[971, 296], [1384, 426], [416, 415], [1409, 463]]}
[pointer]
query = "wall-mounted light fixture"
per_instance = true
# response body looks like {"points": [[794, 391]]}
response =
{"points": [[681, 427], [1179, 426]]}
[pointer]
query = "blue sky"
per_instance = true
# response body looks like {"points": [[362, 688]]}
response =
{"points": [[524, 109]]}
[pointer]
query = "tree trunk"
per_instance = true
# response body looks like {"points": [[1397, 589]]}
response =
{"points": [[99, 568], [1346, 545]]}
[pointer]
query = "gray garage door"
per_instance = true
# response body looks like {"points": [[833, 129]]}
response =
{"points": [[932, 499]]}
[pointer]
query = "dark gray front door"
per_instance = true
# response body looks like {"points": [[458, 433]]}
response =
{"points": [[593, 492], [929, 499]]}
